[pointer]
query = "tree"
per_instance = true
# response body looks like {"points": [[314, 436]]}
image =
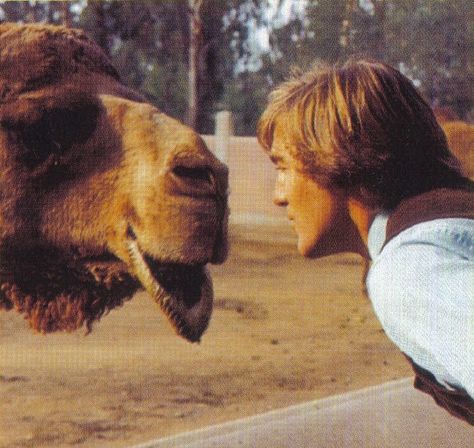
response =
{"points": [[54, 12], [66, 13], [429, 40], [149, 43], [432, 41]]}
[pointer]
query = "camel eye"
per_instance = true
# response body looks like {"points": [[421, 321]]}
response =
{"points": [[54, 133], [37, 144]]}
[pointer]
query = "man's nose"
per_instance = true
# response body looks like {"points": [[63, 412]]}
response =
{"points": [[279, 195]]}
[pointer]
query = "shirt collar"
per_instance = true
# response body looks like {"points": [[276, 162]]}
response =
{"points": [[376, 237]]}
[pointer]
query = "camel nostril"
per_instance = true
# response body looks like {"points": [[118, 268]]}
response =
{"points": [[202, 174]]}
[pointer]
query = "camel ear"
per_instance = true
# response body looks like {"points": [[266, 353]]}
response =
{"points": [[53, 131]]}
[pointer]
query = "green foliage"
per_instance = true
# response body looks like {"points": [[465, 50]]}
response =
{"points": [[246, 96], [32, 11], [147, 42], [431, 41], [435, 42]]}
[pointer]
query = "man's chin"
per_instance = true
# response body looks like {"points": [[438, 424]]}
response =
{"points": [[307, 249], [317, 249]]}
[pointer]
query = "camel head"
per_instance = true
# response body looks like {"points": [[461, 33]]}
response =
{"points": [[101, 193]]}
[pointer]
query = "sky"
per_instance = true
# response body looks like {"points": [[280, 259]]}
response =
{"points": [[277, 17]]}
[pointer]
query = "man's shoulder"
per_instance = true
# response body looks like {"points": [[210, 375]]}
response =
{"points": [[450, 235], [437, 204]]}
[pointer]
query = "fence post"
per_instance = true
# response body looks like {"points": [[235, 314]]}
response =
{"points": [[224, 130]]}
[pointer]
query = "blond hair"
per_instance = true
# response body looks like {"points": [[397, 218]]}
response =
{"points": [[361, 127]]}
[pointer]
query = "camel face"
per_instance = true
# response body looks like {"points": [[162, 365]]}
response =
{"points": [[101, 192]]}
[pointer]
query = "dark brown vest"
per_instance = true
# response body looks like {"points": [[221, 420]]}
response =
{"points": [[436, 204]]}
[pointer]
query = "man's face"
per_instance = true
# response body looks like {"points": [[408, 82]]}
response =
{"points": [[319, 215]]}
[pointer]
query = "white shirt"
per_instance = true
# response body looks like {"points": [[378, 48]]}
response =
{"points": [[421, 285]]}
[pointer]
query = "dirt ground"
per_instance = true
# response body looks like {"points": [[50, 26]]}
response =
{"points": [[284, 330]]}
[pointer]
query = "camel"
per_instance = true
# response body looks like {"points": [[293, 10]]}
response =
{"points": [[460, 136], [101, 193]]}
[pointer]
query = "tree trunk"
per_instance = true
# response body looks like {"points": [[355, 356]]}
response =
{"points": [[345, 37], [380, 18], [28, 13], [195, 40], [66, 14]]}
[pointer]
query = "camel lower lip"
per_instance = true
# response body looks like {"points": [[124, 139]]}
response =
{"points": [[183, 292], [178, 279]]}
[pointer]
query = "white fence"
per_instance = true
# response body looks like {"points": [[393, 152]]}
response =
{"points": [[251, 175], [251, 179]]}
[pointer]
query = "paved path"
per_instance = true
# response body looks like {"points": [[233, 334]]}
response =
{"points": [[392, 415]]}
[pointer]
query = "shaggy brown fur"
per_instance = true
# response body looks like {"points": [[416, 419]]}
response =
{"points": [[63, 298], [36, 57], [52, 297], [86, 168], [460, 136]]}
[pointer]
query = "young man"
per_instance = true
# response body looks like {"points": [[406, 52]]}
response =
{"points": [[363, 166]]}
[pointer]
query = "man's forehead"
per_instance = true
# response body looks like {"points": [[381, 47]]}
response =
{"points": [[280, 143], [283, 150]]}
